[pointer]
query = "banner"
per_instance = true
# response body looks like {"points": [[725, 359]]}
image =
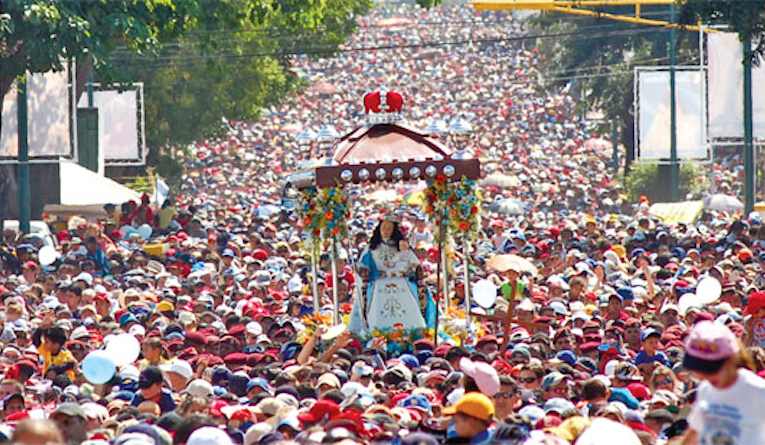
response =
{"points": [[120, 118], [50, 117], [653, 116]]}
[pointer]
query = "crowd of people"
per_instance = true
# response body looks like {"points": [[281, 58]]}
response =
{"points": [[602, 348]]}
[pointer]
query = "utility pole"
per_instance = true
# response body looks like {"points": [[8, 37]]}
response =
{"points": [[749, 195], [674, 170], [25, 208], [615, 147]]}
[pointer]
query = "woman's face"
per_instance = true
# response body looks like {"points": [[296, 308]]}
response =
{"points": [[386, 229]]}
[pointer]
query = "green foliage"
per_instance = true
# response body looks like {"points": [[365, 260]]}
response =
{"points": [[169, 168], [37, 35], [234, 61], [652, 181], [200, 60], [746, 18]]}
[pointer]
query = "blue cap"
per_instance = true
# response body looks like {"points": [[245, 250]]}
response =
{"points": [[418, 402], [625, 396], [638, 251], [260, 382], [626, 293], [649, 333], [221, 375], [567, 357], [228, 253], [127, 318], [639, 236], [558, 405], [410, 361], [365, 370]]}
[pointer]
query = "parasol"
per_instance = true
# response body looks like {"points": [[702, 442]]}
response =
{"points": [[394, 21], [507, 206], [501, 181], [723, 203], [502, 263]]}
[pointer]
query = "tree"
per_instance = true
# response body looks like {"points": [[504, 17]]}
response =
{"points": [[596, 58], [646, 180], [234, 64], [745, 18]]}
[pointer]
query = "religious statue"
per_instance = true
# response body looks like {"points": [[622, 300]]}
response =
{"points": [[389, 268]]}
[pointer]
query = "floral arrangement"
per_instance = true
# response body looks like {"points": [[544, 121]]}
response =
{"points": [[324, 212], [399, 340], [459, 202]]}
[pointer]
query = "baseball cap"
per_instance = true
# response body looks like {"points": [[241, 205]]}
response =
{"points": [[180, 367], [259, 382], [201, 388], [708, 346], [209, 435], [485, 376], [552, 379], [650, 332], [150, 376], [321, 409], [70, 409], [627, 371], [473, 404], [328, 379]]}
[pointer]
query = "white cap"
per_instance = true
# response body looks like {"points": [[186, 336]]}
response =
{"points": [[254, 328], [180, 367], [209, 435], [201, 388], [84, 276], [256, 432]]}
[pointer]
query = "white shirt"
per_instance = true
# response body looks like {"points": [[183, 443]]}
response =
{"points": [[731, 416]]}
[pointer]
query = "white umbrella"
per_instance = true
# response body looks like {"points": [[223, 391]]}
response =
{"points": [[723, 203], [266, 210], [501, 181], [508, 207]]}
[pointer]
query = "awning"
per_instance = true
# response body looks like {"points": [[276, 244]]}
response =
{"points": [[84, 192], [678, 212]]}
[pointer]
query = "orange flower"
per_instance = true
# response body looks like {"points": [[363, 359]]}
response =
{"points": [[464, 225], [329, 216], [307, 220]]}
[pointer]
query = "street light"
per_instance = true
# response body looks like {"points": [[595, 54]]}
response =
{"points": [[459, 131]]}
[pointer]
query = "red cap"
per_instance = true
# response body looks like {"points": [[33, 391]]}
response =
{"points": [[323, 408], [29, 265]]}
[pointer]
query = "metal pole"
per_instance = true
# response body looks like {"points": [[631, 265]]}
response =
{"points": [[445, 272], [90, 91], [674, 173], [25, 207], [315, 280], [615, 147], [466, 262], [749, 194], [335, 302], [439, 277]]}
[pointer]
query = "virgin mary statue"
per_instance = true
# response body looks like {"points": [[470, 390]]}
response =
{"points": [[389, 266]]}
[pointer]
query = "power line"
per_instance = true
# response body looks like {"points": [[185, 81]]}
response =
{"points": [[319, 50]]}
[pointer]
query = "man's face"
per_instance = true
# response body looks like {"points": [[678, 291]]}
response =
{"points": [[7, 389], [14, 406], [489, 347], [614, 305], [632, 334], [528, 380], [152, 391], [72, 428], [559, 390], [564, 342], [505, 399], [177, 381]]}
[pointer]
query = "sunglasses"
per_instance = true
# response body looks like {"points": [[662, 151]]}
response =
{"points": [[527, 379], [666, 381], [505, 395]]}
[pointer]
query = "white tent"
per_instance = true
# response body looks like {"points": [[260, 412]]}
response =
{"points": [[84, 192]]}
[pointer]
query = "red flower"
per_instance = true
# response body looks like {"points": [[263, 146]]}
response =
{"points": [[473, 210], [464, 225], [440, 178], [329, 216]]}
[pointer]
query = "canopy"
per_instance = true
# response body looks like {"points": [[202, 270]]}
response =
{"points": [[678, 212], [386, 152], [84, 192]]}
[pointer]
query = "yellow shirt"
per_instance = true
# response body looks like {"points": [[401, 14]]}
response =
{"points": [[62, 358]]}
